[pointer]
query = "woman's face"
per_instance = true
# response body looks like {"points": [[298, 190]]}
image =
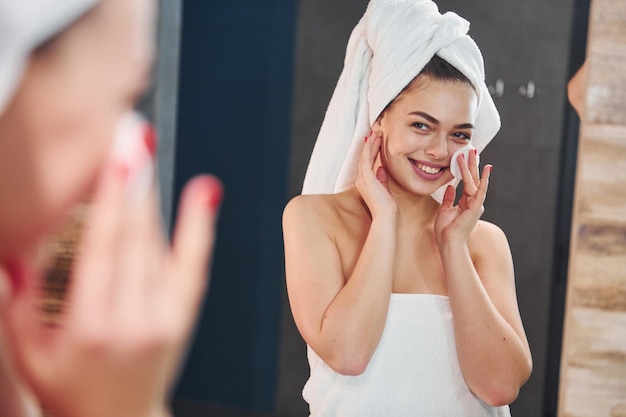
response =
{"points": [[421, 130], [56, 132]]}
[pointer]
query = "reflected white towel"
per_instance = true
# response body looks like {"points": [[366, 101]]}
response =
{"points": [[389, 47], [414, 372]]}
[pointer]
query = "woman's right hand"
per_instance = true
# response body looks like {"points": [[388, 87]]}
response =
{"points": [[372, 184], [132, 304]]}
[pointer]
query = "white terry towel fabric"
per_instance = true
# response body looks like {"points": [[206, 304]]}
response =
{"points": [[414, 372], [390, 45], [24, 25]]}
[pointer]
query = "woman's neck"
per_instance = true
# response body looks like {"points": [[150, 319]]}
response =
{"points": [[413, 209]]}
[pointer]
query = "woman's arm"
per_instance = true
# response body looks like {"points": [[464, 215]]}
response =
{"points": [[342, 321], [492, 348]]}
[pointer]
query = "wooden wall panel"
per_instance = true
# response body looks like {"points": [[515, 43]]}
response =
{"points": [[593, 371]]}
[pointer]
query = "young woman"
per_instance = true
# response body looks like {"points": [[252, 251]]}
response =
{"points": [[69, 71], [407, 304]]}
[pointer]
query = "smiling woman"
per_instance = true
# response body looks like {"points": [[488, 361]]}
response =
{"points": [[405, 299], [434, 112], [69, 75]]}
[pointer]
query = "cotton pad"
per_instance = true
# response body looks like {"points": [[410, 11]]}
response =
{"points": [[455, 169], [132, 149]]}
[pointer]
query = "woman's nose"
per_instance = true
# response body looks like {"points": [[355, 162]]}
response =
{"points": [[437, 147]]}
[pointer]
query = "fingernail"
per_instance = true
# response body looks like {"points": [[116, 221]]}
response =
{"points": [[150, 138], [212, 191], [217, 196], [365, 138]]}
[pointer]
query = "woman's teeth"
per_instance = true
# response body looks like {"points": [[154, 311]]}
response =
{"points": [[427, 169]]}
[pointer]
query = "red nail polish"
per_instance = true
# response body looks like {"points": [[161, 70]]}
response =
{"points": [[366, 139], [212, 191], [217, 196], [150, 138]]}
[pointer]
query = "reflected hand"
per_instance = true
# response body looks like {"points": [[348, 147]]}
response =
{"points": [[455, 223], [373, 185]]}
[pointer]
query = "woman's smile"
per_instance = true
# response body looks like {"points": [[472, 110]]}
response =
{"points": [[428, 171]]}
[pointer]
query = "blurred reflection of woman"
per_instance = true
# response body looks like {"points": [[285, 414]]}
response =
{"points": [[69, 72]]}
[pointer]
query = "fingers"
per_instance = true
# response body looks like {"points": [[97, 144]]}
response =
{"points": [[140, 254], [194, 237], [381, 175], [94, 271], [473, 165], [448, 197], [371, 149], [481, 194], [469, 173], [375, 143], [21, 322]]}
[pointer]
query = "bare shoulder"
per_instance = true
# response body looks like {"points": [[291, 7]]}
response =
{"points": [[488, 243], [486, 233], [311, 209], [320, 211]]}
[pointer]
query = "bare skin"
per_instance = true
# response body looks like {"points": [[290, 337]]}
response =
{"points": [[133, 298], [347, 252]]}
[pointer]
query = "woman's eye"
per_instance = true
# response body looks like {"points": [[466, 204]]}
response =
{"points": [[420, 126], [462, 136]]}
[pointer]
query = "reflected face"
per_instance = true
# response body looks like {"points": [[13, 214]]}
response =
{"points": [[421, 130], [56, 132]]}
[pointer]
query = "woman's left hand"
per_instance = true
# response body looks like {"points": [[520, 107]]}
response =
{"points": [[455, 223]]}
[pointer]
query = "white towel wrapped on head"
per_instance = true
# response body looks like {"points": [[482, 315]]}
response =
{"points": [[387, 49], [24, 25]]}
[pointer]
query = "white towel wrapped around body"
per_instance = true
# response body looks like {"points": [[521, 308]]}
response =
{"points": [[387, 49], [415, 371]]}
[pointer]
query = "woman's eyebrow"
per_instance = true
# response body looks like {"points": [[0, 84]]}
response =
{"points": [[425, 116], [436, 122]]}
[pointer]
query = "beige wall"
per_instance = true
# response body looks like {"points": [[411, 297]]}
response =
{"points": [[593, 372]]}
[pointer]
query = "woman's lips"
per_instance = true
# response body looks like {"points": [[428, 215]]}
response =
{"points": [[429, 172]]}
